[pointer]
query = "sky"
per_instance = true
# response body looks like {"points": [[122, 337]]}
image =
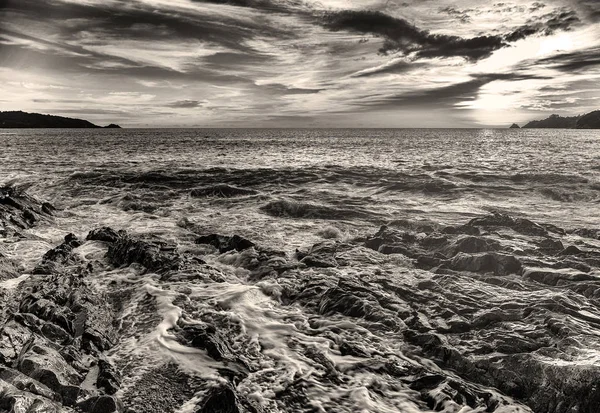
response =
{"points": [[300, 63]]}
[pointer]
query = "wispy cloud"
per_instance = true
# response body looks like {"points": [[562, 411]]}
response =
{"points": [[294, 62]]}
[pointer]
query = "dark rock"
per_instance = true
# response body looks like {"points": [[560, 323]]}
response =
{"points": [[221, 400], [471, 245], [225, 243], [550, 245], [520, 225], [499, 264], [105, 234], [109, 378], [515, 126], [593, 233], [50, 368], [571, 250], [14, 400], [153, 254], [101, 404], [26, 383]]}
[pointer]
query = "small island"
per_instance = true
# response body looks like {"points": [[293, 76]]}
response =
{"points": [[19, 119], [587, 121], [514, 126]]}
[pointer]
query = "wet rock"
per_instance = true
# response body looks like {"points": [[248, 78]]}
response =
{"points": [[206, 337], [105, 234], [225, 243], [101, 404], [520, 225], [550, 246], [471, 245], [26, 383], [221, 191], [552, 277], [322, 255], [14, 400], [155, 255], [19, 211], [8, 268], [571, 250], [499, 264], [223, 400], [57, 258], [109, 379], [593, 233], [297, 209], [50, 368]]}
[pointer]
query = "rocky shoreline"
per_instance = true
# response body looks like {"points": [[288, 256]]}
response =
{"points": [[502, 307]]}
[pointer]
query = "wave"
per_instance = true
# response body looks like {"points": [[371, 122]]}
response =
{"points": [[299, 209]]}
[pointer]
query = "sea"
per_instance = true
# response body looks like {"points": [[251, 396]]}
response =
{"points": [[288, 190]]}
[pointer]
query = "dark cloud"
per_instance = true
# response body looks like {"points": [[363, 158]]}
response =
{"points": [[536, 6], [571, 62], [559, 20], [449, 96], [464, 16], [402, 36], [185, 104]]}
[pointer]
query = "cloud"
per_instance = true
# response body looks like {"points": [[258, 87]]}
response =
{"points": [[402, 36], [185, 104], [560, 19], [571, 62]]}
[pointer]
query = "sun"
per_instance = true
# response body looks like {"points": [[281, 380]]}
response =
{"points": [[562, 43]]}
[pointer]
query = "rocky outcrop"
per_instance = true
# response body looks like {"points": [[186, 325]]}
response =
{"points": [[514, 126]]}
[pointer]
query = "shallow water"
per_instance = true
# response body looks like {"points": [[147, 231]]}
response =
{"points": [[299, 188]]}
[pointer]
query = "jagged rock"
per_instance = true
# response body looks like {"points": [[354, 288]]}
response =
{"points": [[321, 255], [225, 243], [57, 258], [556, 277], [14, 400], [593, 233], [19, 210], [109, 378], [105, 234], [50, 368], [499, 264], [206, 337], [153, 254], [101, 404], [26, 383], [520, 225], [221, 400], [471, 245]]}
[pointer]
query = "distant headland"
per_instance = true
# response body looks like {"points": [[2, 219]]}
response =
{"points": [[19, 119], [588, 121]]}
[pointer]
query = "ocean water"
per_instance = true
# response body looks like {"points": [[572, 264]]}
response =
{"points": [[287, 190]]}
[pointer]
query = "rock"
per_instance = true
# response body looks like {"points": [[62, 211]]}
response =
{"points": [[571, 250], [499, 264], [105, 234], [50, 368], [14, 400], [19, 211], [57, 258], [321, 255], [225, 243], [101, 404], [26, 383], [520, 225], [515, 126], [471, 245], [157, 256], [109, 378], [221, 400], [593, 233]]}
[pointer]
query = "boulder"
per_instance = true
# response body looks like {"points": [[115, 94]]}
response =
{"points": [[496, 263], [225, 243]]}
